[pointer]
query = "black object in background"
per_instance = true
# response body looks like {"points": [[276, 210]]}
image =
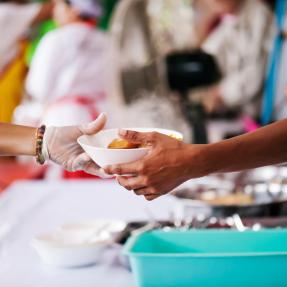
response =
{"points": [[187, 71]]}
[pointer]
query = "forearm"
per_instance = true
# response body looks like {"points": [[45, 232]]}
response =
{"points": [[17, 140], [266, 146]]}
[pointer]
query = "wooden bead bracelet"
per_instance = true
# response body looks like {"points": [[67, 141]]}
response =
{"points": [[39, 144]]}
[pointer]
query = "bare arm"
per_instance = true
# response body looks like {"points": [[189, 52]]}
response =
{"points": [[266, 146], [17, 140], [170, 162], [59, 145]]}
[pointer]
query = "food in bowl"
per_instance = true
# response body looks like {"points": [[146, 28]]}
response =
{"points": [[123, 144], [96, 146]]}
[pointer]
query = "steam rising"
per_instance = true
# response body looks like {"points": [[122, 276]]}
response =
{"points": [[153, 111]]}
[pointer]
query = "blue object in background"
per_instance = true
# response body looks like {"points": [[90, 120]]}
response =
{"points": [[274, 64], [209, 258]]}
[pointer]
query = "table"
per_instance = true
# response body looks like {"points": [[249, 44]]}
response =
{"points": [[33, 207]]}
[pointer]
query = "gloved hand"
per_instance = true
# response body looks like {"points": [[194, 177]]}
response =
{"points": [[60, 146]]}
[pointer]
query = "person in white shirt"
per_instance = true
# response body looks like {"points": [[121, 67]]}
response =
{"points": [[67, 83]]}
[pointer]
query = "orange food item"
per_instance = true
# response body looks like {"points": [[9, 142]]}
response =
{"points": [[122, 144]]}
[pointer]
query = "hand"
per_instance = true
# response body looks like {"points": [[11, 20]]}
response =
{"points": [[60, 146], [165, 167]]}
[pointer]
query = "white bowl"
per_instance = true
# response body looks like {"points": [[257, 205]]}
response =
{"points": [[113, 228], [96, 146], [77, 244]]}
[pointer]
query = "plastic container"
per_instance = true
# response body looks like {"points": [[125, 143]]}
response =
{"points": [[217, 258]]}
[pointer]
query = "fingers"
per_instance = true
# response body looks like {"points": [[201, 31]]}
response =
{"points": [[124, 169], [137, 137], [131, 183], [85, 163], [95, 126], [93, 169], [149, 193], [151, 197], [138, 186]]}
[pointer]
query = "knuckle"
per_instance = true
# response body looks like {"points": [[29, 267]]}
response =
{"points": [[132, 135], [117, 170]]}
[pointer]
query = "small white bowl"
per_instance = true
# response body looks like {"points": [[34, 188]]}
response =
{"points": [[63, 254], [77, 244], [96, 146]]}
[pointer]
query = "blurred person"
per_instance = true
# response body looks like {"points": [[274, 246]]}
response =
{"points": [[58, 144], [67, 82], [238, 33], [275, 100], [16, 17]]}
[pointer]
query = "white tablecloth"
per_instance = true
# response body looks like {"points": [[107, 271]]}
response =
{"points": [[31, 208]]}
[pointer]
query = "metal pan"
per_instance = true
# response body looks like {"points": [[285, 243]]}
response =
{"points": [[266, 187]]}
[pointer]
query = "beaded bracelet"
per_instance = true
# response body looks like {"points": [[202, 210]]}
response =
{"points": [[39, 145]]}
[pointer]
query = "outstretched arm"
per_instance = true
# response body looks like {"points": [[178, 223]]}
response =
{"points": [[170, 162], [266, 146], [59, 144]]}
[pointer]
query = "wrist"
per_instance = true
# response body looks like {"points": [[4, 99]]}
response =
{"points": [[200, 161], [29, 145]]}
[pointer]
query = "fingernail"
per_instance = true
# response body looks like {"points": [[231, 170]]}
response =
{"points": [[123, 132], [101, 115], [104, 175]]}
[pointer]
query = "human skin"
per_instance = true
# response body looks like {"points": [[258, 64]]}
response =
{"points": [[59, 144], [169, 162], [17, 140]]}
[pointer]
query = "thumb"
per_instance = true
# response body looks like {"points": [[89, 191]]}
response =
{"points": [[95, 126], [138, 137]]}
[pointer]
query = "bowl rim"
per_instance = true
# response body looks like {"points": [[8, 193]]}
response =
{"points": [[79, 140]]}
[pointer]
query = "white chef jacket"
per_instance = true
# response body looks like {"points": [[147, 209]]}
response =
{"points": [[14, 21], [70, 61]]}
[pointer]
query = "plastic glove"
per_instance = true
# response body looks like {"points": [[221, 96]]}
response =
{"points": [[60, 146]]}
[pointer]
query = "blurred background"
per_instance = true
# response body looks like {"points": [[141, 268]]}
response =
{"points": [[210, 69]]}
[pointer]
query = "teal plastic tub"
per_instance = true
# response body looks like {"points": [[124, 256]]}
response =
{"points": [[217, 258]]}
